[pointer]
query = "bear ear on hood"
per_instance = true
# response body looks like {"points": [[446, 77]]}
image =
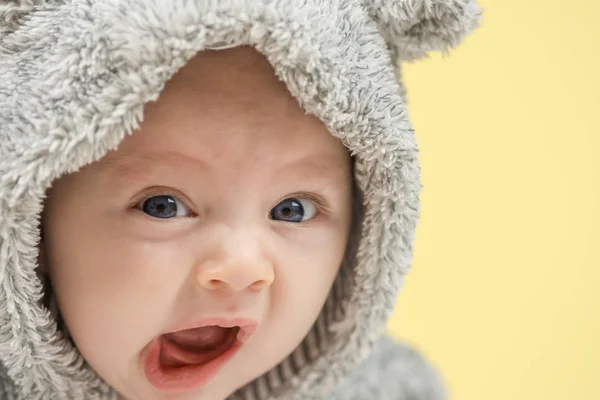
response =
{"points": [[413, 28]]}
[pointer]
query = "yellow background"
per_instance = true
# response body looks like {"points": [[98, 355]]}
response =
{"points": [[504, 293]]}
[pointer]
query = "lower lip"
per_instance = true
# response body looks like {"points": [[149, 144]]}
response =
{"points": [[183, 378]]}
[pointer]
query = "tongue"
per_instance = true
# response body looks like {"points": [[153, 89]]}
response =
{"points": [[200, 339], [195, 346]]}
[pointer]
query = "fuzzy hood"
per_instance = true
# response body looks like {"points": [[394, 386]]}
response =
{"points": [[74, 78]]}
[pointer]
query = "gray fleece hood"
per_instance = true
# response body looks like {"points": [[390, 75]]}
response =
{"points": [[74, 78]]}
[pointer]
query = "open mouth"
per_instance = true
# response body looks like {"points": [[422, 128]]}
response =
{"points": [[196, 346], [188, 359]]}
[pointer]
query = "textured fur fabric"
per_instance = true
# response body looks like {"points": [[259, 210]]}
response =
{"points": [[74, 78], [393, 371]]}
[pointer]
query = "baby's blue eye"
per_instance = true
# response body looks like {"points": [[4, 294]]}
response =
{"points": [[293, 210], [163, 206]]}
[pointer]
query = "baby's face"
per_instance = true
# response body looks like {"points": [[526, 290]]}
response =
{"points": [[229, 202]]}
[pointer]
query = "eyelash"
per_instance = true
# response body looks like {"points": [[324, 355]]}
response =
{"points": [[159, 191], [321, 204]]}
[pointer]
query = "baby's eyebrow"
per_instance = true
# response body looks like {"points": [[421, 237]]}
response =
{"points": [[318, 165], [136, 165]]}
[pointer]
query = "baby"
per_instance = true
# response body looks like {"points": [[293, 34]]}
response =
{"points": [[248, 239], [230, 206]]}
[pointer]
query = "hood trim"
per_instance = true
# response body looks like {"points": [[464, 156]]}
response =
{"points": [[344, 77]]}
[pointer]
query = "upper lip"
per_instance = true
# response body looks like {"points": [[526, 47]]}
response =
{"points": [[247, 325]]}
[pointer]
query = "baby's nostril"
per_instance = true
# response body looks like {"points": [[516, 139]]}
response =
{"points": [[215, 283], [259, 285]]}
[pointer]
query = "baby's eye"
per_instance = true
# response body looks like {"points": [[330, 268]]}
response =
{"points": [[293, 210], [163, 206]]}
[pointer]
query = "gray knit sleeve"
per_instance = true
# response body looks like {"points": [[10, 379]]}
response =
{"points": [[394, 371]]}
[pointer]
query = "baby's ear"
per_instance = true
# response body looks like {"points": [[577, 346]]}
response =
{"points": [[413, 28]]}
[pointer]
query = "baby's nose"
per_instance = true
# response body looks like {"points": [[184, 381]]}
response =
{"points": [[236, 276], [239, 264]]}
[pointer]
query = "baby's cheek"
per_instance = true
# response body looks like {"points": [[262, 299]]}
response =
{"points": [[120, 297], [302, 284], [307, 273]]}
